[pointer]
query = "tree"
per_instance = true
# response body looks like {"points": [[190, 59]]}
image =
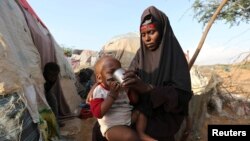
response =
{"points": [[234, 12], [209, 25], [67, 50]]}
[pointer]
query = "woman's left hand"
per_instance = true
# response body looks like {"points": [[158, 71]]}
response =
{"points": [[132, 80]]}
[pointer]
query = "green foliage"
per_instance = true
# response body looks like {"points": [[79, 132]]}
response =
{"points": [[234, 12], [67, 51]]}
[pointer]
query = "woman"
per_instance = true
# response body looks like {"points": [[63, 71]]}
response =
{"points": [[159, 72]]}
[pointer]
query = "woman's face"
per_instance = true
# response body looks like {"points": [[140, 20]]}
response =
{"points": [[150, 36]]}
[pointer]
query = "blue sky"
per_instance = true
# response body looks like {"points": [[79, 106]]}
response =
{"points": [[89, 24]]}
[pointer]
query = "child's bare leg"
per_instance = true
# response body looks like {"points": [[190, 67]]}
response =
{"points": [[135, 116], [121, 133], [141, 124]]}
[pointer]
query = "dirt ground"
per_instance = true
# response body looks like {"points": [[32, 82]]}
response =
{"points": [[77, 129], [87, 129], [235, 78]]}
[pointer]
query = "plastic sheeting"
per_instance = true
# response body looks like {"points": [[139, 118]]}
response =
{"points": [[12, 107], [19, 58]]}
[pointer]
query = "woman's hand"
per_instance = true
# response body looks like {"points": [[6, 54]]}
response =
{"points": [[132, 80]]}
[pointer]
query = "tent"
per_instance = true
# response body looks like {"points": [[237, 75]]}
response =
{"points": [[122, 47], [26, 45], [85, 59]]}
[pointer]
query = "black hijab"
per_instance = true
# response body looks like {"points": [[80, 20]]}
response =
{"points": [[166, 65]]}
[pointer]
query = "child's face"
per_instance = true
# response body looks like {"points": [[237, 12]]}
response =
{"points": [[108, 68]]}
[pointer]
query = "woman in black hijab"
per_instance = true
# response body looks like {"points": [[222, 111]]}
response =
{"points": [[159, 73]]}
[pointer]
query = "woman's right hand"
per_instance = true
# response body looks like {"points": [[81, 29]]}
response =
{"points": [[132, 80]]}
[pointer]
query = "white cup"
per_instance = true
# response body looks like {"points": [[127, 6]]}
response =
{"points": [[118, 75]]}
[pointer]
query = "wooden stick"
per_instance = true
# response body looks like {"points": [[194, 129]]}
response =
{"points": [[209, 25]]}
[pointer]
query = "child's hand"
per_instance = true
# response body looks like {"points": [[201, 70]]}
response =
{"points": [[114, 88]]}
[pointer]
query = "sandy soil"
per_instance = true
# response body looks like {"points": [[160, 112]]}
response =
{"points": [[77, 129]]}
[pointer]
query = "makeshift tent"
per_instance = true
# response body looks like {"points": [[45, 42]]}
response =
{"points": [[85, 59], [122, 47], [26, 45]]}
